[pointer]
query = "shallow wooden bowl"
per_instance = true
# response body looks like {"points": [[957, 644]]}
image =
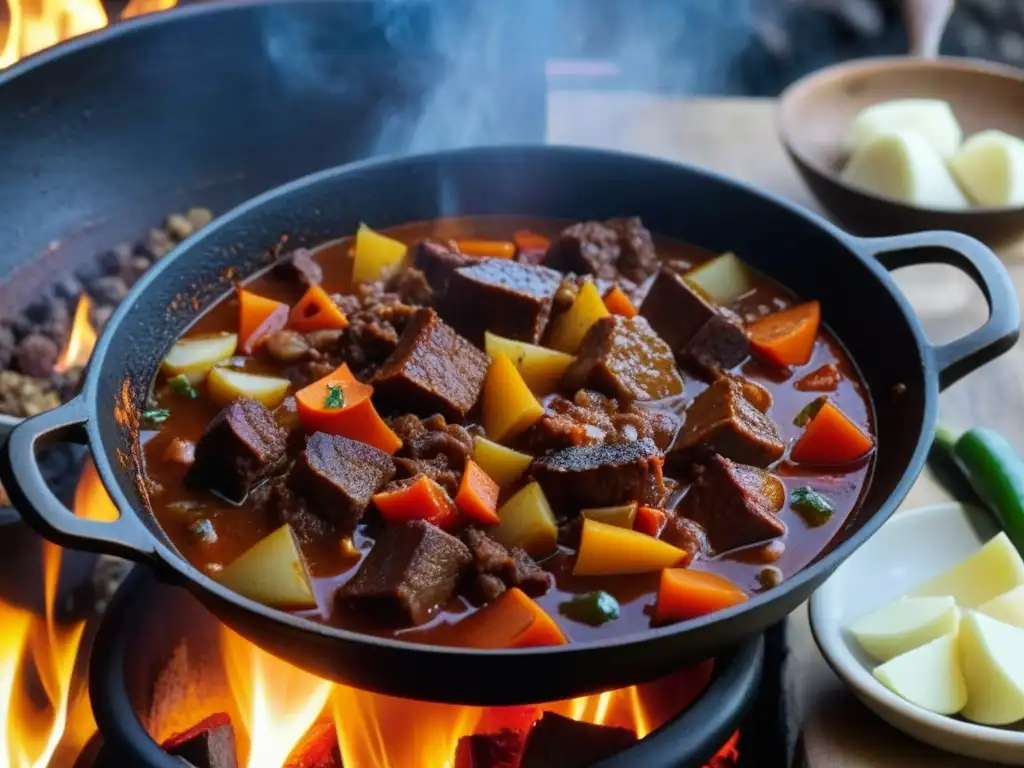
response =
{"points": [[815, 112]]}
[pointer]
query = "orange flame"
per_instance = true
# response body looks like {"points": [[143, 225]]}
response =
{"points": [[81, 340]]}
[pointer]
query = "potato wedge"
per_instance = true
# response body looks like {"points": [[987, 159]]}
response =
{"points": [[621, 516], [723, 279], [226, 385], [606, 550], [195, 356], [540, 367], [990, 168], [528, 522], [272, 572], [929, 676], [1007, 607], [992, 570], [572, 325], [931, 119], [993, 664], [503, 465], [509, 407], [905, 624], [377, 256]]}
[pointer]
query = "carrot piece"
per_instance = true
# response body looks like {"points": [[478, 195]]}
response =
{"points": [[526, 240], [478, 495], [685, 594], [316, 311], [511, 621], [823, 379], [618, 303], [649, 520], [422, 499], [831, 438], [492, 249], [787, 337], [339, 404], [258, 317]]}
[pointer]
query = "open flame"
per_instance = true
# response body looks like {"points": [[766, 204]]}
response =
{"points": [[81, 340], [33, 25]]}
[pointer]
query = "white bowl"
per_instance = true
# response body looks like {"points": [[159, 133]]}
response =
{"points": [[910, 548]]}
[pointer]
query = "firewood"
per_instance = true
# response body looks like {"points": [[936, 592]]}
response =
{"points": [[208, 744]]}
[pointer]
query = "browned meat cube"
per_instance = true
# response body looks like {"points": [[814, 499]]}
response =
{"points": [[241, 447], [721, 420], [688, 535], [607, 250], [433, 370], [500, 296], [301, 266], [412, 570], [561, 742], [496, 569], [625, 359], [338, 476], [695, 331], [601, 476], [438, 262], [737, 505]]}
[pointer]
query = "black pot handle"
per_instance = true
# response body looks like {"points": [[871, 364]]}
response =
{"points": [[40, 508], [999, 333]]}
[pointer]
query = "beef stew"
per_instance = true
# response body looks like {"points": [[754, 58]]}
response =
{"points": [[362, 406]]}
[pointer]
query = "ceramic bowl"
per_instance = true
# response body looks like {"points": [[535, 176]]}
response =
{"points": [[912, 547]]}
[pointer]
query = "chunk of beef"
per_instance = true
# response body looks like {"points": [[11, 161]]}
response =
{"points": [[376, 319], [591, 418], [688, 535], [500, 296], [412, 287], [412, 570], [607, 250], [438, 263], [281, 504], [756, 395], [338, 476], [433, 370], [287, 345], [242, 446], [495, 569], [301, 266], [601, 476], [437, 469], [432, 437], [737, 505], [697, 333], [561, 742], [721, 420], [625, 359]]}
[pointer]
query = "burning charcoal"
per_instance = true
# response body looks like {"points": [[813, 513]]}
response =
{"points": [[36, 355], [100, 316], [209, 744], [156, 244], [318, 749], [490, 750], [67, 383], [68, 288], [137, 265], [58, 327], [199, 217], [110, 289], [115, 261], [560, 742], [7, 343], [178, 227]]}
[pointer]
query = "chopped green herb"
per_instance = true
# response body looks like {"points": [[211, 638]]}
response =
{"points": [[809, 411], [335, 397], [180, 385], [594, 608], [156, 415], [203, 530], [812, 506]]}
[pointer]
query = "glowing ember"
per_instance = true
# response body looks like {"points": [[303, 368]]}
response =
{"points": [[81, 340], [33, 25]]}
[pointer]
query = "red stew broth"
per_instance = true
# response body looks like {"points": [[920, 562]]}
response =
{"points": [[238, 528]]}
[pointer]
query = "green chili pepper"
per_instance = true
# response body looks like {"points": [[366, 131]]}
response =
{"points": [[180, 385], [809, 411], [812, 506], [335, 397], [594, 608], [996, 473], [156, 415]]}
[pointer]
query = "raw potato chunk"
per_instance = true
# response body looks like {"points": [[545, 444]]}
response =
{"points": [[931, 119], [195, 357], [993, 664], [509, 406], [540, 367], [992, 570], [1007, 608], [990, 168], [929, 676], [905, 624], [571, 326], [226, 385], [527, 522], [503, 465], [377, 256], [272, 572], [723, 279], [905, 167]]}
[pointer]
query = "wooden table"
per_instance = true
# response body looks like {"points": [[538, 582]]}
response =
{"points": [[737, 137]]}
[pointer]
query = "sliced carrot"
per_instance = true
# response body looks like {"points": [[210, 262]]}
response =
{"points": [[618, 303], [787, 337], [526, 240], [422, 499], [492, 249], [823, 379], [316, 311], [511, 621], [339, 404], [649, 520], [685, 594], [478, 495], [831, 438], [258, 317]]}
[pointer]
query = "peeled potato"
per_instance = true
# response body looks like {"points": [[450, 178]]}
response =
{"points": [[723, 279], [929, 676], [905, 167], [993, 664], [931, 119], [990, 168], [540, 367], [904, 625], [503, 465], [195, 357], [1007, 608], [272, 572], [992, 570], [226, 385]]}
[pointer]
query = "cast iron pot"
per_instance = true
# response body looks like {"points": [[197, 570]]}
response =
{"points": [[859, 300], [142, 627]]}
